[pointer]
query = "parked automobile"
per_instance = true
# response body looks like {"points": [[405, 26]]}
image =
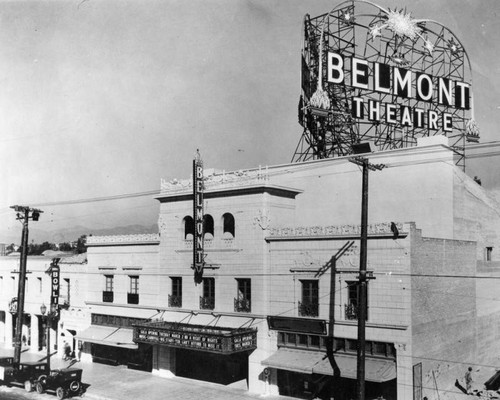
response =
{"points": [[66, 382], [27, 373], [6, 361], [5, 368]]}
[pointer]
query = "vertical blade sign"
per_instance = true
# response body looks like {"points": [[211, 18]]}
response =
{"points": [[198, 189], [54, 283]]}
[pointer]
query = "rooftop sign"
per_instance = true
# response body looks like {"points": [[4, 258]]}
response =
{"points": [[371, 74]]}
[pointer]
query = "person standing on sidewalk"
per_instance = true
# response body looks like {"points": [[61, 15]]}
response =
{"points": [[468, 380]]}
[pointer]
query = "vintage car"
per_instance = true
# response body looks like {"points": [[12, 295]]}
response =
{"points": [[6, 361], [27, 373], [65, 382]]}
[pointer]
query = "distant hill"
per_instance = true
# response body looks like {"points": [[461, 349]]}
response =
{"points": [[73, 233]]}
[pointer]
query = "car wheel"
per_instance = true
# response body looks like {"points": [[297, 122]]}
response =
{"points": [[28, 386], [60, 393], [74, 386], [39, 387]]}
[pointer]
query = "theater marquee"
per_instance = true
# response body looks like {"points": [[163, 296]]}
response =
{"points": [[196, 337]]}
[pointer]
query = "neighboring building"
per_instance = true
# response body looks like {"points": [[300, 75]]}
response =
{"points": [[123, 287], [259, 315], [73, 310]]}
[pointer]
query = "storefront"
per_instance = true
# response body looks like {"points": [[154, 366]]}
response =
{"points": [[306, 373], [208, 353], [304, 369], [109, 340]]}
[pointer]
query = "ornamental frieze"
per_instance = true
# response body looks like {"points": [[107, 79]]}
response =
{"points": [[333, 230], [138, 238]]}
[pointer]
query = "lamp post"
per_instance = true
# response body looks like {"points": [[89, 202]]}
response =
{"points": [[52, 312], [23, 214]]}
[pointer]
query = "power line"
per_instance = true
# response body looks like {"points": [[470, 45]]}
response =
{"points": [[98, 199], [157, 192]]}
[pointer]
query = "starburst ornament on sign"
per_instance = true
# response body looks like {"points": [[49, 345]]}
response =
{"points": [[348, 18], [453, 46], [402, 24]]}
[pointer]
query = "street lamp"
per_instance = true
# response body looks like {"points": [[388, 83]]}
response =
{"points": [[52, 313]]}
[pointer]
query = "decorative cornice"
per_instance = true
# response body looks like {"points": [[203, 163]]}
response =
{"points": [[213, 180], [144, 238]]}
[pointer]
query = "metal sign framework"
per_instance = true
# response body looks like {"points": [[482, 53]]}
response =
{"points": [[364, 30]]}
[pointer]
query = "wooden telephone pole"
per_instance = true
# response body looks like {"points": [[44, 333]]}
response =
{"points": [[23, 215], [363, 279]]}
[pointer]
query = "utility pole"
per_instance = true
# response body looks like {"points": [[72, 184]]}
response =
{"points": [[23, 215], [363, 279], [332, 264]]}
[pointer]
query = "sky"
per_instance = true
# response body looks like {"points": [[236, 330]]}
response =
{"points": [[104, 98]]}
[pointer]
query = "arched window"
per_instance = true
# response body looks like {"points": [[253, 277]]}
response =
{"points": [[188, 227], [228, 225], [208, 226]]}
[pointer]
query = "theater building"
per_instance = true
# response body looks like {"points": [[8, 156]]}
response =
{"points": [[259, 315]]}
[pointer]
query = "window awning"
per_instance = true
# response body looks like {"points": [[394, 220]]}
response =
{"points": [[294, 360], [108, 336], [376, 370], [309, 362]]}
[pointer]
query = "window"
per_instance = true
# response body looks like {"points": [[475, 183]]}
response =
{"points": [[309, 306], [13, 280], [352, 306], [40, 286], [228, 226], [134, 284], [207, 301], [489, 251], [188, 227], [109, 283], [243, 300], [208, 225], [175, 299], [133, 294], [107, 294]]}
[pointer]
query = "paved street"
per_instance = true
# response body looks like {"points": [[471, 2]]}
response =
{"points": [[110, 382]]}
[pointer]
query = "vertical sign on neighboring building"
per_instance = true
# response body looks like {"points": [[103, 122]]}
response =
{"points": [[198, 217], [54, 283]]}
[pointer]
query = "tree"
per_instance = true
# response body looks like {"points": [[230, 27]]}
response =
{"points": [[11, 247], [37, 249], [81, 244], [65, 246]]}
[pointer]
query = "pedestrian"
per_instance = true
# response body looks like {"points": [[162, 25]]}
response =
{"points": [[67, 351], [468, 380]]}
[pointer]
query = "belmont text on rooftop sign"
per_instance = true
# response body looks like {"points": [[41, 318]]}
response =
{"points": [[401, 83]]}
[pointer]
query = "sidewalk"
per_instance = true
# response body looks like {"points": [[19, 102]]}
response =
{"points": [[120, 383]]}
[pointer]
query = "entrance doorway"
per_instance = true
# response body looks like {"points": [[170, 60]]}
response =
{"points": [[211, 367]]}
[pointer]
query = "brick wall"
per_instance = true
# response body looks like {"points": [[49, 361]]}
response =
{"points": [[443, 309]]}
